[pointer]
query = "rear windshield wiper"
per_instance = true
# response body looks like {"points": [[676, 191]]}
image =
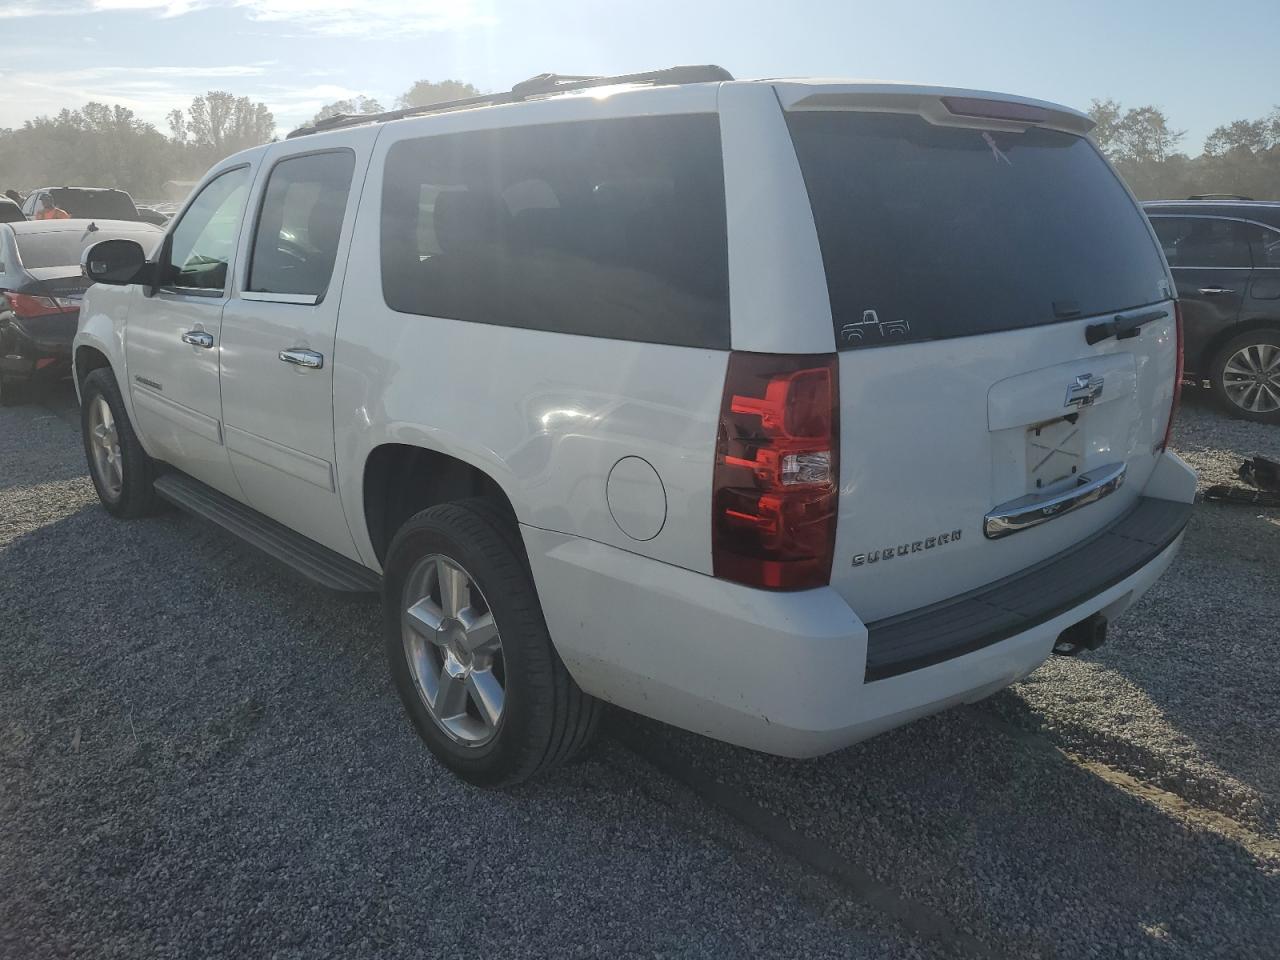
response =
{"points": [[1122, 326]]}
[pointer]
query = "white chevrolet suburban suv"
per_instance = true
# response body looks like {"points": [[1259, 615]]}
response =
{"points": [[785, 412]]}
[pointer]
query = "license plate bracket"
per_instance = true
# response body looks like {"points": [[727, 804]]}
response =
{"points": [[1055, 452]]}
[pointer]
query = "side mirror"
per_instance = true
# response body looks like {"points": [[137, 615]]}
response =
{"points": [[117, 262]]}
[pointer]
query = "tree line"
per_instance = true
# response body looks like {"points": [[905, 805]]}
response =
{"points": [[1241, 157], [108, 145]]}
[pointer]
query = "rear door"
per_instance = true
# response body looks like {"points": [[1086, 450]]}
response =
{"points": [[965, 258], [278, 335], [1212, 265]]}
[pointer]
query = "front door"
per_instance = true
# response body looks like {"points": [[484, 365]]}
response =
{"points": [[173, 335], [278, 334], [1211, 264]]}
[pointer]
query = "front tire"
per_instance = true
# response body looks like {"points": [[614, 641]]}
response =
{"points": [[120, 469], [469, 650], [1245, 376]]}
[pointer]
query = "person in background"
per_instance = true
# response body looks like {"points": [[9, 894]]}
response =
{"points": [[50, 210], [15, 196]]}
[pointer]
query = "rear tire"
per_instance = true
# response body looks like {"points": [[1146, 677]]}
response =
{"points": [[1245, 376], [121, 471], [469, 649]]}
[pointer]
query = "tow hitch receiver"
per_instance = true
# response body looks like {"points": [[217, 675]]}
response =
{"points": [[1089, 634]]}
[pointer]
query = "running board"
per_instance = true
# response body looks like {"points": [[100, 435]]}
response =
{"points": [[311, 561]]}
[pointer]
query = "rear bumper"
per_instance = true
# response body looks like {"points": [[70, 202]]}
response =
{"points": [[780, 672], [37, 347]]}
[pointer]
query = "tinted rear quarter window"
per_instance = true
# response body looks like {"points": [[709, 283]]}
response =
{"points": [[930, 232], [608, 228]]}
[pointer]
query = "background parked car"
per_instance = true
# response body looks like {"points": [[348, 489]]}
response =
{"points": [[10, 212], [1225, 257], [84, 202], [40, 290], [152, 215]]}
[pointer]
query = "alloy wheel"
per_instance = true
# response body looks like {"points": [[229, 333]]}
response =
{"points": [[1251, 378], [454, 650], [104, 442]]}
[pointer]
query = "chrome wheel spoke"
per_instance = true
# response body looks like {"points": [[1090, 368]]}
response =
{"points": [[488, 696], [1268, 357], [454, 595], [451, 695], [424, 619], [481, 631]]}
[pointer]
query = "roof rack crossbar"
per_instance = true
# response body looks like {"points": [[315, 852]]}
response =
{"points": [[544, 84]]}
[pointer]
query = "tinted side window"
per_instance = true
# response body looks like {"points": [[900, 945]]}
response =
{"points": [[201, 244], [1204, 241], [296, 240], [1266, 247], [930, 231], [609, 228]]}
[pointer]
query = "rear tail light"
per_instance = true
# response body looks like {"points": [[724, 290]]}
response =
{"points": [[1177, 380], [25, 305], [777, 473]]}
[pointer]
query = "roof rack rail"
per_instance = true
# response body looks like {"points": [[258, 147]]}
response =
{"points": [[544, 84], [1217, 196]]}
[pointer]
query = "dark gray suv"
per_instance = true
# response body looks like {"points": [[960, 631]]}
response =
{"points": [[1225, 256]]}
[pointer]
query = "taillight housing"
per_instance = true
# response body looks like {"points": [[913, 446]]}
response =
{"points": [[1177, 380], [777, 471], [25, 305]]}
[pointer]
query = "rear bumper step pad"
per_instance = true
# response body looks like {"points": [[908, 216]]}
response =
{"points": [[971, 621]]}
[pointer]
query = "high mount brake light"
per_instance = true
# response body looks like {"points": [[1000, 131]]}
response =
{"points": [[995, 109], [1177, 380], [776, 476]]}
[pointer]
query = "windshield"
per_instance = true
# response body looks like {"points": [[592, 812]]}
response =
{"points": [[62, 248], [930, 232]]}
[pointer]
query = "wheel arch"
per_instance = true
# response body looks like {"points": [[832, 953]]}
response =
{"points": [[401, 479], [1225, 336]]}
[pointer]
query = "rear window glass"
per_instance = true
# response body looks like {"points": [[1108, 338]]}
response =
{"points": [[96, 204], [62, 248], [930, 232], [609, 228]]}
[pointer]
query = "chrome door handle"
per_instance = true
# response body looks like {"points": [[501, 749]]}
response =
{"points": [[303, 358], [198, 338], [1215, 291]]}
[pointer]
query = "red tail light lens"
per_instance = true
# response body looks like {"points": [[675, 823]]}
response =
{"points": [[25, 305], [1177, 380], [777, 471]]}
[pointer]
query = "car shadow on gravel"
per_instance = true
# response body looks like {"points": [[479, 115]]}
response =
{"points": [[1033, 853], [204, 758]]}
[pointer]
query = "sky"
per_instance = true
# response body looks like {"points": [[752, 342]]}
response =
{"points": [[297, 55]]}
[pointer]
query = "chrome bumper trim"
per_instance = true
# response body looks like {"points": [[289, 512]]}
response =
{"points": [[1031, 511]]}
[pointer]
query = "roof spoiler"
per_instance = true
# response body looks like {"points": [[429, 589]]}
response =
{"points": [[939, 105], [543, 85]]}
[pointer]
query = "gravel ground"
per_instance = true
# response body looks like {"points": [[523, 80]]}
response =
{"points": [[199, 757]]}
